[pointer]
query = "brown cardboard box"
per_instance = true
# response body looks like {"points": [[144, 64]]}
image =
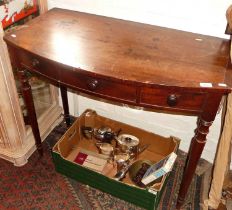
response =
{"points": [[67, 148]]}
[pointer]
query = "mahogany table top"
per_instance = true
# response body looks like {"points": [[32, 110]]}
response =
{"points": [[127, 50]]}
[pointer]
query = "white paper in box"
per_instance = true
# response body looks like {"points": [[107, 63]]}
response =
{"points": [[159, 169]]}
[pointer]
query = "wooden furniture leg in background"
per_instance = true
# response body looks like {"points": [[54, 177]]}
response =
{"points": [[64, 96], [28, 99], [197, 144]]}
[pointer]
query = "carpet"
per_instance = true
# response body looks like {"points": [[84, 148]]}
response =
{"points": [[38, 186]]}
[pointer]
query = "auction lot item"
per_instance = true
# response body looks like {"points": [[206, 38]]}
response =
{"points": [[79, 157]]}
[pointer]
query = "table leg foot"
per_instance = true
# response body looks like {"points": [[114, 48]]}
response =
{"points": [[180, 202], [40, 150]]}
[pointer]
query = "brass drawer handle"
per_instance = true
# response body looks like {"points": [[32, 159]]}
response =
{"points": [[92, 84], [172, 100], [35, 62]]}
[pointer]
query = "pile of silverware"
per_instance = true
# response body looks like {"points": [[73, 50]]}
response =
{"points": [[123, 149]]}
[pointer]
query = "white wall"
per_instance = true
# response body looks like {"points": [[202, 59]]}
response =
{"points": [[199, 16]]}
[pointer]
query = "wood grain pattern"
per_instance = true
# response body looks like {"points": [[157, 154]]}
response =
{"points": [[125, 50]]}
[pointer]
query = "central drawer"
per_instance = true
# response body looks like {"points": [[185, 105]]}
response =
{"points": [[100, 86], [84, 82]]}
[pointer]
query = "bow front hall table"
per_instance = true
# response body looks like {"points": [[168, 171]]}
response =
{"points": [[128, 62]]}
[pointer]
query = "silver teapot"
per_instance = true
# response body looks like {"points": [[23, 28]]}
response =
{"points": [[129, 144]]}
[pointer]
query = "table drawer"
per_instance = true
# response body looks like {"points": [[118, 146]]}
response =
{"points": [[97, 85], [172, 98], [40, 65]]}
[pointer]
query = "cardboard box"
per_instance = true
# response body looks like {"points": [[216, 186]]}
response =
{"points": [[72, 142]]}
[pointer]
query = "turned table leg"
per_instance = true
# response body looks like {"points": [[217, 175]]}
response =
{"points": [[197, 144], [196, 148], [28, 99], [64, 96]]}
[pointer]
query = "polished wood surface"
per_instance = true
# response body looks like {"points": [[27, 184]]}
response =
{"points": [[125, 50], [127, 62]]}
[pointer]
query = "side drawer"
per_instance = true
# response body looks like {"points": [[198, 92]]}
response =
{"points": [[40, 65], [172, 98], [98, 85]]}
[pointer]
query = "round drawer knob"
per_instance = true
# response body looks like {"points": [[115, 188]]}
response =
{"points": [[35, 62], [93, 84], [172, 100]]}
